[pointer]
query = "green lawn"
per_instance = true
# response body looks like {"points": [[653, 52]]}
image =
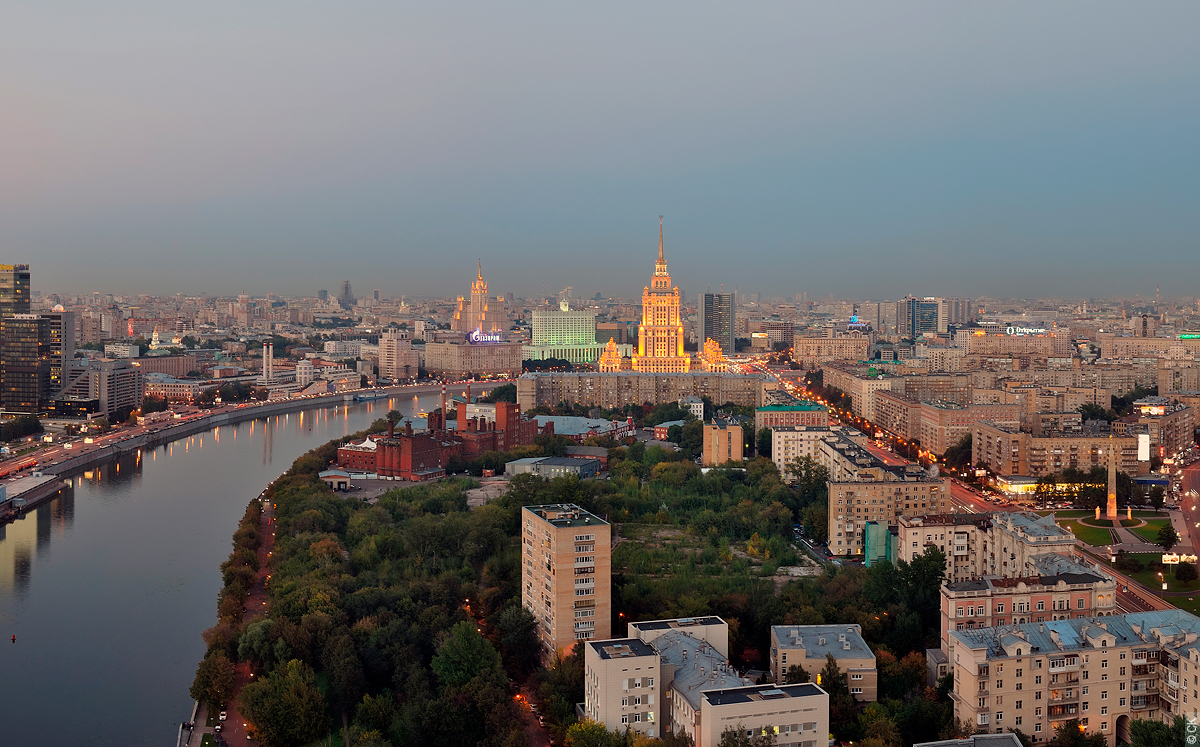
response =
{"points": [[1088, 535], [1150, 531], [1151, 581], [208, 740]]}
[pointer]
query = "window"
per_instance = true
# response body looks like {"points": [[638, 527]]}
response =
{"points": [[1037, 680], [1104, 695], [1017, 721], [1122, 701], [624, 718], [999, 609], [856, 676], [856, 691], [1019, 686], [1103, 710], [1122, 671], [1019, 706], [1037, 727], [999, 716], [1104, 663], [1041, 605]]}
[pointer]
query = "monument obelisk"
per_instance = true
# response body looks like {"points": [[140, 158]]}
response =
{"points": [[1111, 513]]}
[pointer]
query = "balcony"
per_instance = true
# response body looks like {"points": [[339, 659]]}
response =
{"points": [[1066, 695], [1142, 702]]}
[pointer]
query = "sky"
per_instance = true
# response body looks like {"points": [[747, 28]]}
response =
{"points": [[867, 150]]}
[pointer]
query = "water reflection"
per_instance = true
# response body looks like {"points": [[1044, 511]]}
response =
{"points": [[30, 536]]}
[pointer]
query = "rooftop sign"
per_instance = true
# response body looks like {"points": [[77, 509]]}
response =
{"points": [[480, 336], [1019, 331]]}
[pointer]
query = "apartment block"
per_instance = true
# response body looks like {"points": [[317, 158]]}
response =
{"points": [[797, 715], [941, 425], [992, 602], [897, 414], [723, 442], [566, 574], [881, 494], [617, 389], [1006, 544], [860, 383], [810, 352], [791, 413], [623, 686], [807, 646], [1006, 451], [1105, 671]]}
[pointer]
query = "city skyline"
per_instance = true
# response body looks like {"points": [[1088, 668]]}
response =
{"points": [[966, 150]]}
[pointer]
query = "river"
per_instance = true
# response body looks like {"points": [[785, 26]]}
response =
{"points": [[108, 586]]}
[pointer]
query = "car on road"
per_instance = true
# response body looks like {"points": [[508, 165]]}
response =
{"points": [[223, 715]]}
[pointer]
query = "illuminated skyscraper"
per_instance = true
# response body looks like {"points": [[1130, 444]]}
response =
{"points": [[474, 313], [660, 335]]}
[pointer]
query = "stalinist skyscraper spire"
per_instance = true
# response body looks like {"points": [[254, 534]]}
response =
{"points": [[660, 335], [1112, 481]]}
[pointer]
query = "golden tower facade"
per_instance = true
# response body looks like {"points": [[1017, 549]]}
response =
{"points": [[660, 335], [473, 314]]}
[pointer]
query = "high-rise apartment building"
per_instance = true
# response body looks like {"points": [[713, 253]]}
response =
{"points": [[60, 338], [345, 295], [660, 335], [717, 319], [566, 575]]}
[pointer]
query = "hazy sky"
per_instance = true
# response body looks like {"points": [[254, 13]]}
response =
{"points": [[863, 149]]}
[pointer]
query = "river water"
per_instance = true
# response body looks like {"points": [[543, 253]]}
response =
{"points": [[108, 586]]}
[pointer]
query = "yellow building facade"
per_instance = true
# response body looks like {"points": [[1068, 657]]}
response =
{"points": [[660, 335]]}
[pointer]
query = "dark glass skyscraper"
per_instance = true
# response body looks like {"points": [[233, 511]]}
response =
{"points": [[716, 320]]}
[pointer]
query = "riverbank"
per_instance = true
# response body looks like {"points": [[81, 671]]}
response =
{"points": [[159, 434]]}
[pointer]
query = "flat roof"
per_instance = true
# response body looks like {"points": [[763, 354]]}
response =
{"points": [[761, 692], [621, 648], [819, 640], [566, 514], [797, 406], [682, 622]]}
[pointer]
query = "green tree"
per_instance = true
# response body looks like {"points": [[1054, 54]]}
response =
{"points": [[466, 654], [1186, 572], [1023, 738], [691, 438], [285, 709], [518, 637], [1147, 733], [214, 680], [589, 733], [738, 736], [1167, 538], [502, 393], [795, 674], [764, 442], [1047, 488], [1071, 734], [1158, 496]]}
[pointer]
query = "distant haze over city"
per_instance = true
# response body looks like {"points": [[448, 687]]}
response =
{"points": [[861, 152]]}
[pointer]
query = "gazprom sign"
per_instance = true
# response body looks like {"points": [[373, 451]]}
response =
{"points": [[479, 336], [1024, 331]]}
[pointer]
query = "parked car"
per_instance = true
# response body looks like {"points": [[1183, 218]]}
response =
{"points": [[223, 715]]}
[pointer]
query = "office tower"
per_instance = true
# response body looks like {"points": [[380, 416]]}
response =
{"points": [[566, 575], [660, 335], [920, 315], [345, 296], [14, 290], [322, 295], [375, 294], [717, 319], [25, 362], [21, 340], [60, 337]]}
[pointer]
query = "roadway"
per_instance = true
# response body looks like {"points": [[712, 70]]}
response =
{"points": [[1189, 503], [50, 455]]}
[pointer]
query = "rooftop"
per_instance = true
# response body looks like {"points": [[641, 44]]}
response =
{"points": [[620, 649], [798, 406], [698, 666], [572, 425], [1033, 525], [1174, 629], [761, 692], [566, 514], [681, 622], [842, 641]]}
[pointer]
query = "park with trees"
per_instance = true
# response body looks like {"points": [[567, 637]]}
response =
{"points": [[399, 622]]}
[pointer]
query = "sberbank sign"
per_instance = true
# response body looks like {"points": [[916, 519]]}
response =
{"points": [[1024, 330]]}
